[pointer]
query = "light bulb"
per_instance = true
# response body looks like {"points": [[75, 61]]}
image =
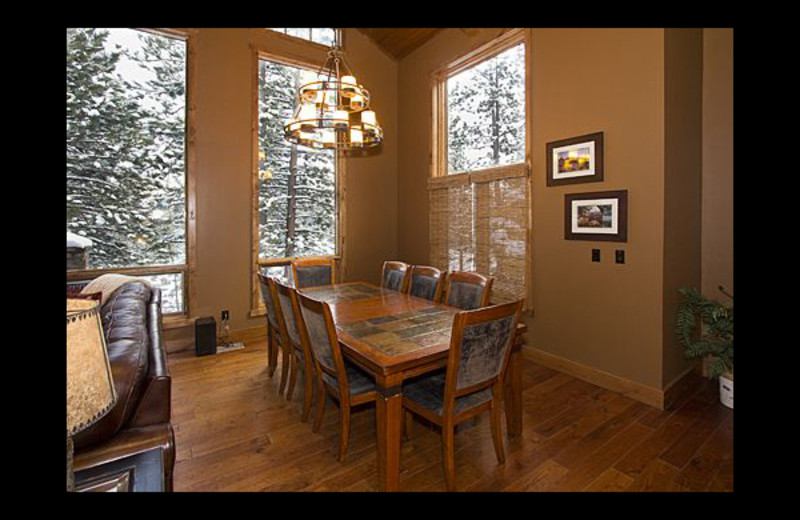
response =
{"points": [[368, 117], [348, 86], [356, 136], [340, 119], [357, 101], [307, 117]]}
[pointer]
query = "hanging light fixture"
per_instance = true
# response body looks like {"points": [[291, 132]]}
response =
{"points": [[333, 109]]}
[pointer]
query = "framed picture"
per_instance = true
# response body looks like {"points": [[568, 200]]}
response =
{"points": [[575, 160], [602, 215]]}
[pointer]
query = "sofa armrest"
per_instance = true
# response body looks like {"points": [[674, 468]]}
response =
{"points": [[130, 441], [154, 404]]}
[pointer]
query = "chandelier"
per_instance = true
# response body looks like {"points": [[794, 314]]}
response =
{"points": [[333, 109]]}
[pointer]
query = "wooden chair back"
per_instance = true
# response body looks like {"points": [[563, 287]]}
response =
{"points": [[270, 299], [425, 282], [286, 296], [467, 290], [480, 347], [311, 272], [394, 275], [318, 332]]}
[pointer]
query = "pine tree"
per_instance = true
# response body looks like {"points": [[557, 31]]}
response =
{"points": [[486, 113], [297, 211], [125, 153]]}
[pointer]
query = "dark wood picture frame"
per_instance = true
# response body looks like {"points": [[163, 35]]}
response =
{"points": [[621, 234], [596, 139]]}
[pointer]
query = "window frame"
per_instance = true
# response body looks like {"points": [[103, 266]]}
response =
{"points": [[296, 39], [439, 130], [187, 269], [257, 263]]}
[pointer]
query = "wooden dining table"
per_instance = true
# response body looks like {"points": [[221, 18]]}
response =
{"points": [[395, 336]]}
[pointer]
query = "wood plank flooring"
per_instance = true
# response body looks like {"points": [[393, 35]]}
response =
{"points": [[234, 433]]}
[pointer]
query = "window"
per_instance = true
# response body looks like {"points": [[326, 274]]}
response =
{"points": [[486, 113], [126, 166], [479, 187], [322, 36], [297, 196]]}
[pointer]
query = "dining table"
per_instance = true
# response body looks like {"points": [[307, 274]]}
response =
{"points": [[394, 336]]}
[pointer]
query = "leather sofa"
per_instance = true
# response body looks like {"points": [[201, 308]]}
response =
{"points": [[140, 419]]}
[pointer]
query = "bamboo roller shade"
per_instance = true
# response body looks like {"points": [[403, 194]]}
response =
{"points": [[479, 222]]}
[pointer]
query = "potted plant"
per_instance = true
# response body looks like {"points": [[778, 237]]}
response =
{"points": [[705, 329]]}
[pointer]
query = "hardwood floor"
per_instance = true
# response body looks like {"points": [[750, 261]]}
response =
{"points": [[233, 433]]}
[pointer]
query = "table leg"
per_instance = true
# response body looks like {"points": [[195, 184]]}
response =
{"points": [[388, 416], [513, 393]]}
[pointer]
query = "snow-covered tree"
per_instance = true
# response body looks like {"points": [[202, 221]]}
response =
{"points": [[297, 190], [125, 166], [486, 113]]}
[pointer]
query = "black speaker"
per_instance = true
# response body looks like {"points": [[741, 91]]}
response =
{"points": [[205, 336]]}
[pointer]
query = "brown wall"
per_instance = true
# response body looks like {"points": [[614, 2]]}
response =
{"points": [[717, 216], [683, 102], [606, 316], [223, 96]]}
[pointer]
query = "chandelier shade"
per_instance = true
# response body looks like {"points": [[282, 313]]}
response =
{"points": [[333, 109]]}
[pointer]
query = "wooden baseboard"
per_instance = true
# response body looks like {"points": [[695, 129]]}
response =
{"points": [[646, 394], [177, 341]]}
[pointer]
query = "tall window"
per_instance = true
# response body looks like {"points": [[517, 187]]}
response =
{"points": [[325, 36], [126, 175], [297, 194], [479, 188], [486, 113]]}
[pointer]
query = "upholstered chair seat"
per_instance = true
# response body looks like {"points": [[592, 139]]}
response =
{"points": [[358, 381], [428, 391]]}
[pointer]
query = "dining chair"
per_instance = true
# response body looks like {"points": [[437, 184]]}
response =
{"points": [[273, 326], [394, 275], [311, 272], [425, 282], [300, 355], [472, 382], [467, 290], [336, 375]]}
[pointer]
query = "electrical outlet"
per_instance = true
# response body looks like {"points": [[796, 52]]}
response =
{"points": [[595, 255], [225, 315], [620, 256]]}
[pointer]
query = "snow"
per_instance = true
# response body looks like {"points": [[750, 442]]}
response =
{"points": [[78, 241]]}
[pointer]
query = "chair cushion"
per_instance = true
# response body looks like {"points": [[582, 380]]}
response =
{"points": [[465, 296], [394, 279], [424, 286], [428, 392], [358, 381], [313, 276]]}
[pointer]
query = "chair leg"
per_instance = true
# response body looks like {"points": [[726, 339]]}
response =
{"points": [[322, 400], [448, 455], [308, 392], [344, 428], [272, 352], [293, 368], [286, 357], [497, 432], [409, 423]]}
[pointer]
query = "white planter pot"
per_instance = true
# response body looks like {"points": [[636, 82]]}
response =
{"points": [[726, 391]]}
